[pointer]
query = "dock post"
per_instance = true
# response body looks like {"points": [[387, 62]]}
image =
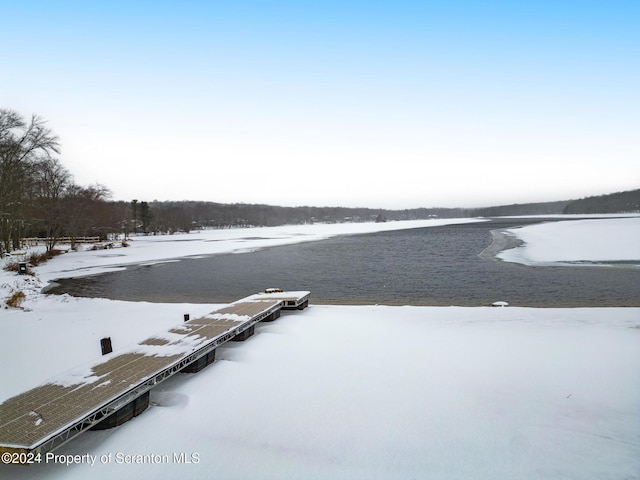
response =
{"points": [[201, 363], [242, 336], [105, 345]]}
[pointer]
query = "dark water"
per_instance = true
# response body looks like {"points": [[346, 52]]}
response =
{"points": [[426, 266]]}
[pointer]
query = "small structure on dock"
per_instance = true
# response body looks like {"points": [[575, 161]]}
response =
{"points": [[292, 300]]}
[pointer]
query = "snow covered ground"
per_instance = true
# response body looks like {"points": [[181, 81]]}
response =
{"points": [[577, 241], [346, 392]]}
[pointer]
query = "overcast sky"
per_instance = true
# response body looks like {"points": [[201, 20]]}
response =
{"points": [[391, 104]]}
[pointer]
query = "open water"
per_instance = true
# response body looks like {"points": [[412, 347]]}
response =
{"points": [[423, 266]]}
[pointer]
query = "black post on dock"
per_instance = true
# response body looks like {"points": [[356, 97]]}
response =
{"points": [[105, 344], [186, 317]]}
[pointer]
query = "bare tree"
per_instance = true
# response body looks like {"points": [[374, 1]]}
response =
{"points": [[22, 145], [51, 182], [87, 212]]}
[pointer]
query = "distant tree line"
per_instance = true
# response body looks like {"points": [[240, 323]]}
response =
{"points": [[542, 208], [185, 215], [620, 202], [38, 198], [221, 215]]}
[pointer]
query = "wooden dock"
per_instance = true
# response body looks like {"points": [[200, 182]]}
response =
{"points": [[116, 388]]}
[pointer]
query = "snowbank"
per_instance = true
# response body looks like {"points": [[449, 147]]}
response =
{"points": [[388, 392], [577, 241]]}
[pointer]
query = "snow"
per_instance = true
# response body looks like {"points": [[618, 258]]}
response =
{"points": [[500, 303], [277, 295], [583, 241], [228, 316], [380, 392]]}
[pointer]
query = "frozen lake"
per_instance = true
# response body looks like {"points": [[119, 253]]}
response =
{"points": [[422, 266]]}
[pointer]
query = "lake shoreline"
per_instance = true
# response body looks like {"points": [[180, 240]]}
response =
{"points": [[501, 240]]}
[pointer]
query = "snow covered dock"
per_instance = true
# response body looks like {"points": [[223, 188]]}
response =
{"points": [[113, 391]]}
